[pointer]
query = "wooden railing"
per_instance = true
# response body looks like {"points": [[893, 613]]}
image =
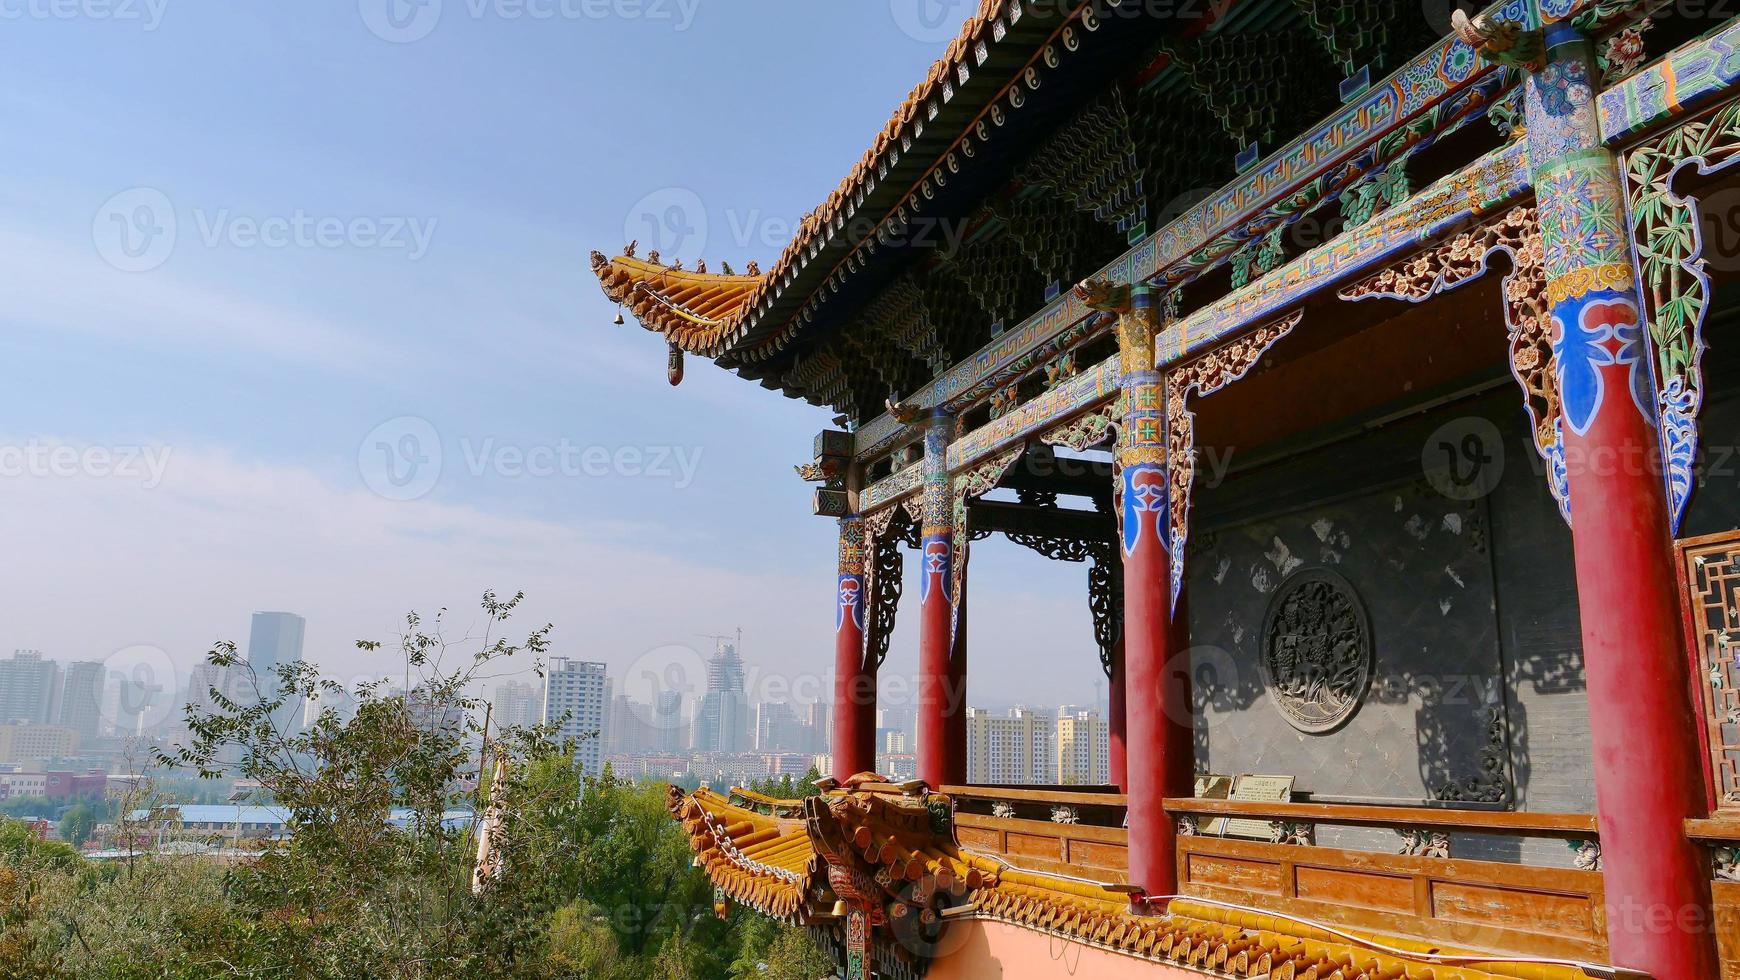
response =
{"points": [[1723, 831], [1479, 904], [1100, 853], [1061, 796], [1567, 825], [1520, 909]]}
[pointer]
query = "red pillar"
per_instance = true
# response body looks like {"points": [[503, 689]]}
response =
{"points": [[956, 717], [1644, 745], [936, 614], [1115, 725], [1157, 727], [854, 681]]}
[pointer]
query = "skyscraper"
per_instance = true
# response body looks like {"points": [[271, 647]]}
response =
{"points": [[29, 688], [722, 720], [777, 728], [574, 699], [274, 640], [669, 726], [81, 700]]}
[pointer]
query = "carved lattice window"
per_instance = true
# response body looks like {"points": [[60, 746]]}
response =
{"points": [[1713, 599]]}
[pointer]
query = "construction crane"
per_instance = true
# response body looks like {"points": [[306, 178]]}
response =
{"points": [[720, 638]]}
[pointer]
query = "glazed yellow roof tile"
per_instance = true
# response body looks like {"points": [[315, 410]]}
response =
{"points": [[729, 298], [694, 310], [779, 867]]}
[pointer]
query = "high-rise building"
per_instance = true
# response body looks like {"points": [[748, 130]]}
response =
{"points": [[625, 725], [901, 718], [29, 688], [206, 681], [1017, 748], [517, 704], [574, 701], [81, 699], [819, 719], [342, 703], [275, 640], [722, 720], [777, 728], [669, 725], [1083, 747], [433, 713]]}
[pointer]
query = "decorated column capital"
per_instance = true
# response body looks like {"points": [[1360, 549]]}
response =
{"points": [[854, 677], [851, 574]]}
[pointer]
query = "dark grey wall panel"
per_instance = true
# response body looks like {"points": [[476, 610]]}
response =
{"points": [[1478, 692]]}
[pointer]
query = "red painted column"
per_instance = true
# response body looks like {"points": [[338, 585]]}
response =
{"points": [[1115, 725], [1644, 745], [1158, 746], [955, 721], [936, 705], [854, 681]]}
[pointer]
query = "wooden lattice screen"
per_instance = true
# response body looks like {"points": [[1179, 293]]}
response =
{"points": [[1712, 577]]}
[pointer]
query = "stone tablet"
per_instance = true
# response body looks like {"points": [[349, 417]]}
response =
{"points": [[1211, 787], [1257, 789]]}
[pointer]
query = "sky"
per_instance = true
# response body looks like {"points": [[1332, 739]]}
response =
{"points": [[297, 315]]}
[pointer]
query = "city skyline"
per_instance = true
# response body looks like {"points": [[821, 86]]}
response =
{"points": [[494, 342]]}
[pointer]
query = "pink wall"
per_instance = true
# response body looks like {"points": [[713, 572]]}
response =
{"points": [[998, 951]]}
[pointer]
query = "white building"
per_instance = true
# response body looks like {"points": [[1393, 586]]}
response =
{"points": [[1019, 748], [1083, 747], [574, 699]]}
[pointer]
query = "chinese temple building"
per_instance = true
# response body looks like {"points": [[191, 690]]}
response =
{"points": [[1372, 369]]}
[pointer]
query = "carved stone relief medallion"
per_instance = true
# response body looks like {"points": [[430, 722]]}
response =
{"points": [[1317, 656]]}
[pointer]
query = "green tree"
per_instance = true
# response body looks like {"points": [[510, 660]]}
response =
{"points": [[76, 824], [589, 878]]}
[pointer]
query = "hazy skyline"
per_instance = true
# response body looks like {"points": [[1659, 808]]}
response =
{"points": [[264, 399]]}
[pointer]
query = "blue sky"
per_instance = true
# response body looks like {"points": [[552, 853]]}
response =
{"points": [[261, 245]]}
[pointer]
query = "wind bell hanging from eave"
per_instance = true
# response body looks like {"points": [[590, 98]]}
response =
{"points": [[674, 364]]}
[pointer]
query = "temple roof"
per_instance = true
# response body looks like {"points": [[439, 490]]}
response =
{"points": [[1045, 141], [872, 843], [738, 294], [695, 310]]}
